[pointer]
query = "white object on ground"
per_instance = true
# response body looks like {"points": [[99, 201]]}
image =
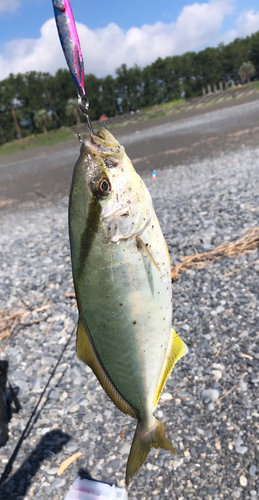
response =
{"points": [[85, 489]]}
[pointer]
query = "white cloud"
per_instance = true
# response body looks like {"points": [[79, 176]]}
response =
{"points": [[104, 50], [8, 5], [42, 54], [246, 24]]}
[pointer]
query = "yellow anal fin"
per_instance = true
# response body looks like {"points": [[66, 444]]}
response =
{"points": [[176, 350], [87, 353], [141, 246]]}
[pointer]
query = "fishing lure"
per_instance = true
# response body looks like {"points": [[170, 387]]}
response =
{"points": [[69, 40]]}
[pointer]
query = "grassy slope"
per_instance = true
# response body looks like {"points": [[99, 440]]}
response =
{"points": [[161, 109], [35, 141]]}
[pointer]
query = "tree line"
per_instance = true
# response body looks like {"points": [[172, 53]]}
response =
{"points": [[26, 98]]}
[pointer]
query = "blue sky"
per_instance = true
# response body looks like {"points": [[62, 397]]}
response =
{"points": [[28, 40], [27, 20]]}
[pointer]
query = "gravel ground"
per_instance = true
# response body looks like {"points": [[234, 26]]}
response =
{"points": [[215, 433]]}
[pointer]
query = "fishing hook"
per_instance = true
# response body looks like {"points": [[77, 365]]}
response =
{"points": [[84, 106]]}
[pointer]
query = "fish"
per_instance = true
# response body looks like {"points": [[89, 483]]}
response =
{"points": [[122, 278]]}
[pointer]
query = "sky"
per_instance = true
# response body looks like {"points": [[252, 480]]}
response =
{"points": [[113, 32]]}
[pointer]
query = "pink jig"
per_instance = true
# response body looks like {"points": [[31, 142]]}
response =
{"points": [[70, 42]]}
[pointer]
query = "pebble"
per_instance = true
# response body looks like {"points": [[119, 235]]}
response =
{"points": [[177, 462], [239, 446], [166, 396], [218, 445], [74, 408], [125, 449], [252, 470], [243, 481], [236, 494], [222, 431], [52, 471], [209, 395], [58, 483], [71, 448], [243, 386], [217, 374]]}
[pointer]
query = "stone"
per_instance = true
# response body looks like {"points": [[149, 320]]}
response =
{"points": [[58, 483], [252, 470], [239, 446], [243, 481], [166, 396], [52, 471], [210, 395], [177, 462]]}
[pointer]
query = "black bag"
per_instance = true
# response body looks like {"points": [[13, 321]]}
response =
{"points": [[3, 404], [7, 397]]}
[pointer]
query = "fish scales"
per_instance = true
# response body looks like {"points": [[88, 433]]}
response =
{"points": [[122, 279]]}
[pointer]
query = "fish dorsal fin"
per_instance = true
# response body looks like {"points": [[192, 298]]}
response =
{"points": [[87, 353], [141, 246], [176, 350]]}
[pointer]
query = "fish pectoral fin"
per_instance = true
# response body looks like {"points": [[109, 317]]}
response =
{"points": [[141, 246], [176, 350], [145, 439], [87, 353]]}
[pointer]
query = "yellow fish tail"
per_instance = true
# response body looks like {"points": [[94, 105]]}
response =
{"points": [[142, 443]]}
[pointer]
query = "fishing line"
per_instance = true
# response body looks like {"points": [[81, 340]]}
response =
{"points": [[24, 435], [49, 198]]}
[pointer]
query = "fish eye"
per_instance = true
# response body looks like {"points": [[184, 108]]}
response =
{"points": [[102, 187]]}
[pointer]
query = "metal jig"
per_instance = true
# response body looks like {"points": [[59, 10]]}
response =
{"points": [[70, 43]]}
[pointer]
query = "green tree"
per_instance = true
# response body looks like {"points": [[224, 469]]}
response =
{"points": [[208, 67], [61, 89], [247, 70], [72, 109], [42, 120], [93, 92], [11, 102], [254, 51], [108, 96], [189, 78]]}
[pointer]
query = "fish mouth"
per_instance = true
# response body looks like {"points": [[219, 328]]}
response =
{"points": [[105, 145]]}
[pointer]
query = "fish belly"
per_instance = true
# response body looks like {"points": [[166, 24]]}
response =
{"points": [[124, 297]]}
